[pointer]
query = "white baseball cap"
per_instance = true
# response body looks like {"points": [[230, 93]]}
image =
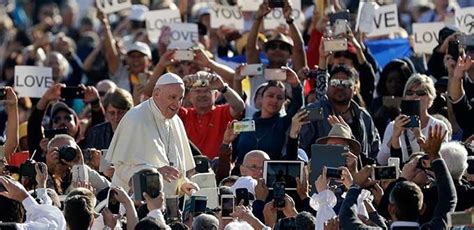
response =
{"points": [[140, 47], [137, 13]]}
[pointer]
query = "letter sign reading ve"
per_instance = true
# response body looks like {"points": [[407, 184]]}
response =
{"points": [[32, 81], [385, 20], [229, 16], [425, 36], [111, 6], [157, 18]]}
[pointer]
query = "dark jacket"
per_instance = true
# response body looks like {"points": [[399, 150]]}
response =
{"points": [[464, 113], [436, 64], [100, 136]]}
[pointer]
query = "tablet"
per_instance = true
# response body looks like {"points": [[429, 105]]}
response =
{"points": [[325, 155], [282, 171]]}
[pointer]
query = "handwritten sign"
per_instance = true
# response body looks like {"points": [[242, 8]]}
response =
{"points": [[276, 18], [157, 18], [385, 20], [365, 16], [230, 16], [465, 19], [32, 81], [249, 5], [111, 6], [425, 36]]}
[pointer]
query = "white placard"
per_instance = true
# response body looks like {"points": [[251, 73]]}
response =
{"points": [[365, 16], [111, 6], [229, 16], [276, 18], [465, 19], [32, 81], [157, 18], [425, 36], [385, 20], [183, 33], [249, 5]]}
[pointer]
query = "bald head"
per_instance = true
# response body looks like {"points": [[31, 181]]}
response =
{"points": [[253, 164]]}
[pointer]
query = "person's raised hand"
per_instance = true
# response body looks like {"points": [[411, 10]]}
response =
{"points": [[166, 60], [431, 146], [201, 58], [169, 173], [287, 10], [362, 178], [398, 125], [443, 48], [154, 203], [297, 121], [229, 135], [449, 63], [291, 77], [289, 210], [462, 66], [333, 120], [377, 191], [351, 161], [332, 224], [13, 190], [263, 10], [216, 82], [302, 185], [121, 195], [90, 93], [41, 174], [110, 219], [270, 214], [238, 70], [189, 188], [52, 94], [261, 190], [346, 177], [11, 99], [322, 181]]}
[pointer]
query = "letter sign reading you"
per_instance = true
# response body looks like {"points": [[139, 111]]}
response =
{"points": [[32, 81], [156, 19], [111, 6], [249, 5], [425, 36], [385, 20], [465, 19], [275, 18], [229, 16]]}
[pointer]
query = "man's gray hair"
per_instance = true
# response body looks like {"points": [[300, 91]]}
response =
{"points": [[455, 156], [205, 222], [255, 153], [60, 136], [238, 225]]}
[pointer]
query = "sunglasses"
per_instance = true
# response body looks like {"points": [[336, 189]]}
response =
{"points": [[341, 83], [419, 93], [280, 46], [58, 119]]}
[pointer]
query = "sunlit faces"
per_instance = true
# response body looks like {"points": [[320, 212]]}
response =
{"points": [[253, 167], [342, 92], [63, 119], [278, 52], [169, 99], [272, 100], [137, 62], [202, 97]]}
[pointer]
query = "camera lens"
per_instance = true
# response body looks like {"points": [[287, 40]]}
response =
{"points": [[67, 153]]}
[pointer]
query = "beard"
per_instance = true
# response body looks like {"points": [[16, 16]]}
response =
{"points": [[340, 99]]}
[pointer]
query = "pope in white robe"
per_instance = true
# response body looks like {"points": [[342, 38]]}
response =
{"points": [[151, 134]]}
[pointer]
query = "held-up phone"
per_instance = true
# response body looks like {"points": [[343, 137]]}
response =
{"points": [[453, 49], [315, 114], [279, 194], [172, 207], [335, 45], [276, 3], [244, 126], [227, 204], [242, 194], [460, 218], [27, 169], [3, 93], [50, 133], [252, 70], [275, 74], [411, 108], [71, 92], [332, 172], [340, 27], [198, 204], [183, 55], [385, 173], [345, 15], [394, 161], [146, 182], [112, 203]]}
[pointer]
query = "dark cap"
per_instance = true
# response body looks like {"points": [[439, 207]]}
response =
{"points": [[447, 31]]}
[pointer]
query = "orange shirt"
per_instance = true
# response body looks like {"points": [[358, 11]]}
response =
{"points": [[206, 131]]}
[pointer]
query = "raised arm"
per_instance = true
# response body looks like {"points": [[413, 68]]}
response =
{"points": [[251, 49], [298, 55], [111, 53], [11, 104]]}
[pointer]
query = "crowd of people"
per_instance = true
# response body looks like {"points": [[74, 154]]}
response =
{"points": [[151, 134]]}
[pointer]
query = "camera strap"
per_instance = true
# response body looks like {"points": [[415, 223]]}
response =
{"points": [[408, 144]]}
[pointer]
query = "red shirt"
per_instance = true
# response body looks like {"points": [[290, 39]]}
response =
{"points": [[206, 131]]}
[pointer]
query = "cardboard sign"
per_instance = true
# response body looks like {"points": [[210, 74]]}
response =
{"points": [[276, 18], [111, 6], [465, 19], [385, 20], [425, 36], [157, 18], [181, 35], [249, 5], [230, 16], [365, 16], [32, 81]]}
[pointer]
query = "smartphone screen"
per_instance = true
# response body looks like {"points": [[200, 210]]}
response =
{"points": [[153, 186], [315, 114], [411, 108], [227, 202], [198, 204], [71, 92], [385, 173], [282, 171], [242, 194], [333, 173], [112, 204], [279, 194], [172, 207]]}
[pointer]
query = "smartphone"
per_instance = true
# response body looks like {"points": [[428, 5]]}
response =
{"points": [[146, 182], [411, 108], [453, 49], [332, 172], [184, 55], [394, 161], [276, 3], [340, 27], [275, 74], [279, 194], [460, 218], [27, 169], [227, 204], [71, 92], [252, 70], [198, 204], [50, 133], [112, 203], [385, 173], [345, 15], [242, 194], [142, 78], [244, 126], [335, 45], [3, 93], [470, 164], [172, 207], [315, 114]]}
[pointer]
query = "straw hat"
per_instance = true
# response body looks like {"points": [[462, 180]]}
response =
{"points": [[343, 132]]}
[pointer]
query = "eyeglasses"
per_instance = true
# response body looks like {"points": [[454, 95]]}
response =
{"points": [[58, 119], [419, 93], [341, 83], [253, 167], [280, 46]]}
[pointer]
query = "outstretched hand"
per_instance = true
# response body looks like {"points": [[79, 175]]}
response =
{"points": [[432, 144]]}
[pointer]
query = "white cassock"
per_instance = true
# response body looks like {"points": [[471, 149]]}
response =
{"points": [[143, 138]]}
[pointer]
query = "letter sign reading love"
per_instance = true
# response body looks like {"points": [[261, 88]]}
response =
{"points": [[465, 19], [32, 81], [229, 16], [157, 18], [425, 36], [111, 6], [183, 33]]}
